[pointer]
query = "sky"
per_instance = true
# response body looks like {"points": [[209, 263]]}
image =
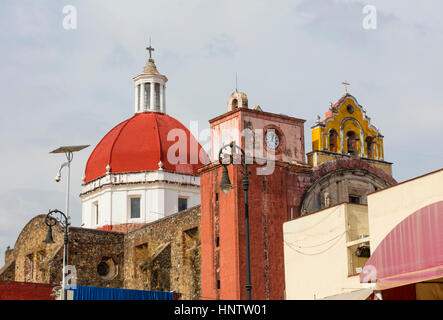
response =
{"points": [[63, 86]]}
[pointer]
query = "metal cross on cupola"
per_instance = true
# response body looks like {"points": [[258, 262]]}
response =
{"points": [[150, 49], [346, 84]]}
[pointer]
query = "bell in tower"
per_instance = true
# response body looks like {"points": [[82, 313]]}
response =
{"points": [[237, 100]]}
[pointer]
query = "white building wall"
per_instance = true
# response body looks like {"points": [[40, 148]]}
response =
{"points": [[316, 255], [158, 199]]}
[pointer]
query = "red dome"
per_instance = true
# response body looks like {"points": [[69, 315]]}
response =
{"points": [[139, 144]]}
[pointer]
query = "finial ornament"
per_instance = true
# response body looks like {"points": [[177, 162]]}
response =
{"points": [[346, 84], [150, 49]]}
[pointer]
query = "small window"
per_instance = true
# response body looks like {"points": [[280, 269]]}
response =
{"points": [[182, 204], [218, 284], [350, 109], [135, 208], [354, 199], [216, 196], [95, 212], [217, 242]]}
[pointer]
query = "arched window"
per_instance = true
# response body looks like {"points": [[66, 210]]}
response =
{"points": [[352, 143], [234, 104], [333, 137], [370, 147]]}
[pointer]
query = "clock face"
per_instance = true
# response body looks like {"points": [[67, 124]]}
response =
{"points": [[272, 140]]}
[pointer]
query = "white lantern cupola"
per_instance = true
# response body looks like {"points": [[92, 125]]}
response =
{"points": [[150, 88]]}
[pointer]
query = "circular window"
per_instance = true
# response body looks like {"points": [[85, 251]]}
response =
{"points": [[107, 269], [350, 108], [103, 269]]}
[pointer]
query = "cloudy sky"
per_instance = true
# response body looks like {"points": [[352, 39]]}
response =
{"points": [[67, 87]]}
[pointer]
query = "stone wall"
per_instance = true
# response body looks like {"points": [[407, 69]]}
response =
{"points": [[31, 259], [165, 255], [98, 257], [333, 182]]}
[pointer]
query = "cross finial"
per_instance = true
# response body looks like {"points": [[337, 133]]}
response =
{"points": [[345, 83], [150, 49]]}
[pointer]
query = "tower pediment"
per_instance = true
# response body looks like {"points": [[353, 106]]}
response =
{"points": [[347, 129]]}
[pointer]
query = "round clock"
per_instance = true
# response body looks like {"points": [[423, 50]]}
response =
{"points": [[272, 140]]}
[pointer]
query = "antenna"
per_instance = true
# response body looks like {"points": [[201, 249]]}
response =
{"points": [[236, 82]]}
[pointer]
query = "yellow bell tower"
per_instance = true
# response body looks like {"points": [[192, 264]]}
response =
{"points": [[347, 131]]}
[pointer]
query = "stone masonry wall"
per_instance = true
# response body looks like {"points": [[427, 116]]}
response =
{"points": [[165, 255]]}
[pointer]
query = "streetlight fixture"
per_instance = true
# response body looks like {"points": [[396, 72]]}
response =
{"points": [[51, 221], [225, 186], [68, 151]]}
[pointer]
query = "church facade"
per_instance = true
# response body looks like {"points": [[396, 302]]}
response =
{"points": [[154, 220]]}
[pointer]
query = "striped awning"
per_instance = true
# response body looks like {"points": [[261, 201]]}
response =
{"points": [[412, 252]]}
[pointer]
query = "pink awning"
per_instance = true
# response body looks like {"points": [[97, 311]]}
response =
{"points": [[412, 252]]}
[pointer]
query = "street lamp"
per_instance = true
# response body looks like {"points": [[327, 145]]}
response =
{"points": [[51, 221], [68, 151], [225, 186]]}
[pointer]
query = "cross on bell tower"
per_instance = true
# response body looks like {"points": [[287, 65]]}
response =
{"points": [[346, 84]]}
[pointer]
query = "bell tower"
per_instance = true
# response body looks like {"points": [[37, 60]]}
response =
{"points": [[273, 145], [347, 132], [150, 86]]}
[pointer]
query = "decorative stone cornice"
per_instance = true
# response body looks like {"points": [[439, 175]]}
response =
{"points": [[146, 177]]}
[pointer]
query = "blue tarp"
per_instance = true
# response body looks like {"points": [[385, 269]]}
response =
{"points": [[97, 293]]}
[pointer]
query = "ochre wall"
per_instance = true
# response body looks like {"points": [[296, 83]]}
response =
{"points": [[336, 119]]}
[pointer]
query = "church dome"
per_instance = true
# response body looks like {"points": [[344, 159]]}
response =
{"points": [[140, 144]]}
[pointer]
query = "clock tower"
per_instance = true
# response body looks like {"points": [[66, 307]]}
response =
{"points": [[263, 135], [273, 144]]}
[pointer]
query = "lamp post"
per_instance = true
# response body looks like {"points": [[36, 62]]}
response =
{"points": [[51, 221], [225, 186], [68, 151]]}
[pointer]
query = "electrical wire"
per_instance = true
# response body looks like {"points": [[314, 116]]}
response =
{"points": [[290, 245], [317, 245]]}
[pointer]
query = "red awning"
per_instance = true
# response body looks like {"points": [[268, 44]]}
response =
{"points": [[412, 252]]}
